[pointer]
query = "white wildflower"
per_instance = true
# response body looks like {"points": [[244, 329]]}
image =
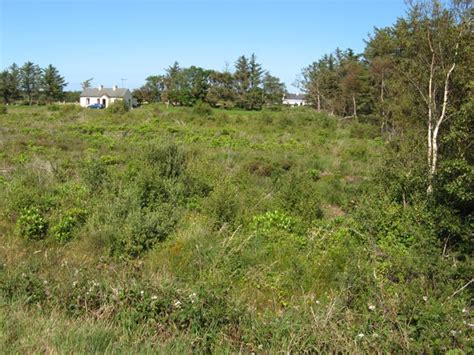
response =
{"points": [[425, 298], [453, 332], [371, 307], [177, 304], [360, 335], [193, 297], [464, 310], [142, 292], [154, 297]]}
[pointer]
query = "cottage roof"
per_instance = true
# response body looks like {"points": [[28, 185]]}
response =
{"points": [[110, 92], [295, 97]]}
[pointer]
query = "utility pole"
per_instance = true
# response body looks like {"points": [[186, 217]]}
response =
{"points": [[122, 80]]}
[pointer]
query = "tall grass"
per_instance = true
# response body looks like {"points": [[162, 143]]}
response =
{"points": [[178, 230]]}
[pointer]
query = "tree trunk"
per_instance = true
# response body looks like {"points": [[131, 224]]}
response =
{"points": [[384, 119], [435, 133], [354, 105]]}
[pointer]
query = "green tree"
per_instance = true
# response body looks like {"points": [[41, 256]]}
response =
{"points": [[10, 84], [86, 83], [273, 89], [173, 83], [242, 80], [221, 92], [255, 72], [435, 44], [153, 89], [351, 84], [52, 84], [197, 82], [380, 56], [30, 80]]}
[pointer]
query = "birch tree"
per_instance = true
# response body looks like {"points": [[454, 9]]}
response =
{"points": [[438, 34]]}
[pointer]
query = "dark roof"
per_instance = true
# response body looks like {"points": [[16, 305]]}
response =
{"points": [[295, 96], [110, 92]]}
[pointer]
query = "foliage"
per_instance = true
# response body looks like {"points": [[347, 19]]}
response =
{"points": [[118, 107], [253, 231], [52, 84], [239, 236], [31, 83], [249, 87], [63, 231], [273, 220], [31, 224], [202, 109], [3, 109]]}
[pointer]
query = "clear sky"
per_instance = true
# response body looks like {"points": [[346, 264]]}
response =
{"points": [[110, 40]]}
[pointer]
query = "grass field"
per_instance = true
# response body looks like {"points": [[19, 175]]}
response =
{"points": [[174, 230]]}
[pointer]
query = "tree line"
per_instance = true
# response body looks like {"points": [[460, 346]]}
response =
{"points": [[248, 86], [415, 73], [31, 83]]}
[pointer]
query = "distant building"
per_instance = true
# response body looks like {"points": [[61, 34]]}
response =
{"points": [[294, 99], [105, 96]]}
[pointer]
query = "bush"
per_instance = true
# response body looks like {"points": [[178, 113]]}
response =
{"points": [[268, 221], [31, 224], [3, 109], [95, 173], [202, 109], [224, 205], [63, 231], [118, 107], [169, 160], [144, 228]]}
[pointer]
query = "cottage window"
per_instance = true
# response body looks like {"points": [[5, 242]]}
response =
{"points": [[88, 101]]}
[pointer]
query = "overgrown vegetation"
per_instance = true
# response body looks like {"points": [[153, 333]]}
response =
{"points": [[172, 230], [178, 229]]}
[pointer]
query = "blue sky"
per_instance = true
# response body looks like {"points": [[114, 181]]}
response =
{"points": [[110, 40]]}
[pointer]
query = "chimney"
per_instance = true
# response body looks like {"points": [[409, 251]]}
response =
{"points": [[101, 87], [115, 87]]}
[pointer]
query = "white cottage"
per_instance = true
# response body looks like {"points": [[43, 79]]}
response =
{"points": [[105, 96], [294, 99]]}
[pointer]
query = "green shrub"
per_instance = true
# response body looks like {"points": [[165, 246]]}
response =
{"points": [[170, 160], [143, 228], [297, 196], [118, 107], [223, 205], [31, 224], [266, 117], [53, 108], [24, 285], [269, 221], [364, 131], [3, 109], [70, 108], [63, 231], [95, 173], [202, 109]]}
